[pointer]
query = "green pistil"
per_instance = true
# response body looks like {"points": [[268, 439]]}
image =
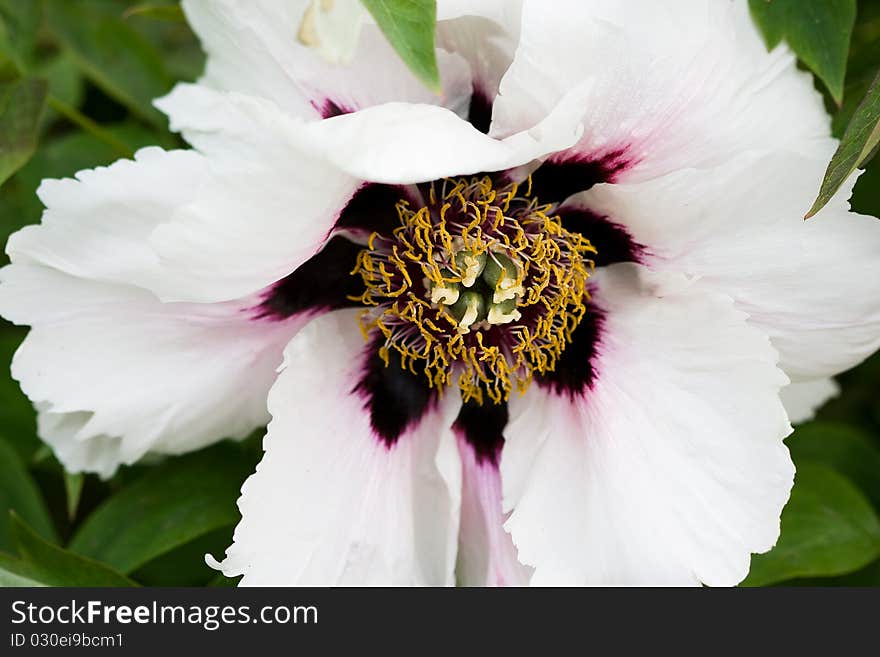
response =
{"points": [[470, 266], [502, 275], [489, 290], [470, 309], [499, 268]]}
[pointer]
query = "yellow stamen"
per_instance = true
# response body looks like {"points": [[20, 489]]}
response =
{"points": [[484, 258]]}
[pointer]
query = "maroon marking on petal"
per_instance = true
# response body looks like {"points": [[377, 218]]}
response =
{"points": [[559, 177], [372, 208], [612, 241], [323, 282], [330, 108], [395, 398], [482, 427], [576, 370], [480, 111]]}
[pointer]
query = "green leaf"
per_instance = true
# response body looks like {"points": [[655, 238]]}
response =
{"points": [[818, 31], [73, 485], [173, 504], [58, 567], [156, 11], [409, 26], [17, 424], [91, 127], [857, 146], [65, 83], [862, 65], [828, 528], [19, 23], [9, 579], [866, 200], [185, 565], [847, 449], [19, 493], [21, 107], [111, 53], [867, 576], [221, 581], [14, 572]]}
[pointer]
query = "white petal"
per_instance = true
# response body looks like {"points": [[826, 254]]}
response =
{"points": [[486, 555], [485, 34], [254, 48], [98, 454], [675, 84], [401, 143], [811, 285], [269, 205], [237, 218], [97, 225], [803, 399], [392, 143], [330, 503], [116, 374], [671, 468]]}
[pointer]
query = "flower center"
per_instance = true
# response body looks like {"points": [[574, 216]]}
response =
{"points": [[480, 283]]}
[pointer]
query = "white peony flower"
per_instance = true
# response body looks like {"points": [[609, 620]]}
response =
{"points": [[532, 332]]}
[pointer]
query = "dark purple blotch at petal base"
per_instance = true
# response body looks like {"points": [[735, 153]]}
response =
{"points": [[576, 370], [557, 179], [330, 108], [480, 111], [395, 398], [324, 282], [612, 242], [372, 208], [482, 427]]}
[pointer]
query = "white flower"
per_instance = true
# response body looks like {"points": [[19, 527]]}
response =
{"points": [[625, 245]]}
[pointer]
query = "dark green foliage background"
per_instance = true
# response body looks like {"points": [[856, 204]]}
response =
{"points": [[152, 524]]}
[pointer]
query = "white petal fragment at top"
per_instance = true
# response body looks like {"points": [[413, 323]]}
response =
{"points": [[255, 48], [550, 327], [332, 27]]}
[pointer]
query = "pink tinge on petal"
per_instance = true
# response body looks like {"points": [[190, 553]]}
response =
{"points": [[670, 467], [330, 504], [487, 556]]}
